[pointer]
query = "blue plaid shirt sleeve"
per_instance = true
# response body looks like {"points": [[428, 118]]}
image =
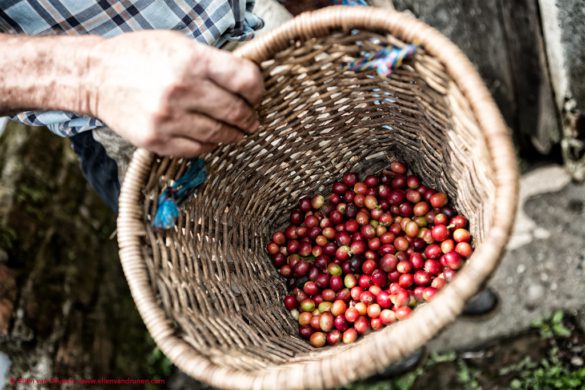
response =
{"points": [[212, 22]]}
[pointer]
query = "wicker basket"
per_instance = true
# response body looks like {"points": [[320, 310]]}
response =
{"points": [[207, 290]]}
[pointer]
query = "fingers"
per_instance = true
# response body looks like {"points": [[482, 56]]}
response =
{"points": [[237, 75], [184, 147], [202, 128], [205, 129], [212, 100]]}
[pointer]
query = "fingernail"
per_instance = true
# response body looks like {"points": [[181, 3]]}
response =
{"points": [[255, 126]]}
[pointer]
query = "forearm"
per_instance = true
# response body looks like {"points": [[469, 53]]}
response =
{"points": [[49, 73]]}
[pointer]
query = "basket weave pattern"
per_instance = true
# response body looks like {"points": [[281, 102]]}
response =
{"points": [[207, 290]]}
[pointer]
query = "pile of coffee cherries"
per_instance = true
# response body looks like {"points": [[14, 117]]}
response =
{"points": [[366, 255]]}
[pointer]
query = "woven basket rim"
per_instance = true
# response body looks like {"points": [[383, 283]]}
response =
{"points": [[380, 348]]}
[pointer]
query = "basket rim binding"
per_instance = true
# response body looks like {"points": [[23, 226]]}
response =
{"points": [[380, 348]]}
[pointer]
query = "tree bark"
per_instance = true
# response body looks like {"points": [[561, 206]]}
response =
{"points": [[65, 308]]}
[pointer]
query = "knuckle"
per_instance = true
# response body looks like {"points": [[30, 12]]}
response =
{"points": [[250, 78], [213, 131], [239, 111]]}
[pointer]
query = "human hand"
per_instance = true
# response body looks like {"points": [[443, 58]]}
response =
{"points": [[172, 95]]}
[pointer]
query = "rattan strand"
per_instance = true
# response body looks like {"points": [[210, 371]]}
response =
{"points": [[206, 289]]}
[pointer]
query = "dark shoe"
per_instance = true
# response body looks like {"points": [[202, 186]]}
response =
{"points": [[483, 303], [403, 366]]}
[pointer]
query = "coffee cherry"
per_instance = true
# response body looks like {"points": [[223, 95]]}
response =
{"points": [[447, 245], [449, 212], [315, 321], [417, 293], [387, 316], [307, 305], [387, 249], [441, 219], [362, 325], [290, 302], [375, 290], [349, 179], [318, 339], [464, 249], [433, 251], [365, 281], [272, 248], [411, 229], [352, 226], [343, 295], [374, 244], [383, 299], [457, 222], [453, 260], [449, 274], [440, 233], [401, 243], [374, 310], [305, 318], [286, 271], [412, 182], [393, 276], [326, 321], [367, 297], [461, 235], [400, 298], [356, 292], [384, 191], [324, 306], [438, 283], [334, 269], [429, 293], [417, 260], [421, 209], [403, 312], [362, 308], [305, 331], [371, 181], [279, 260], [404, 267], [422, 278], [369, 266], [433, 267], [341, 323], [333, 337], [342, 253], [338, 308], [388, 263], [376, 324], [336, 282], [350, 336], [351, 314], [438, 200], [379, 278], [296, 217], [405, 280]]}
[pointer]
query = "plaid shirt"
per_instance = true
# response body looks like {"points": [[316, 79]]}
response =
{"points": [[208, 21]]}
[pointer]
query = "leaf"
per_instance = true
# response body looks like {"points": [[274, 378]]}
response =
{"points": [[560, 330], [557, 317]]}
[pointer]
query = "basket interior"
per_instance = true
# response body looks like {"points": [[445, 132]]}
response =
{"points": [[212, 275]]}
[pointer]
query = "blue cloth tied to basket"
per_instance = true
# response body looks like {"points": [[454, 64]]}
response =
{"points": [[175, 194]]}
